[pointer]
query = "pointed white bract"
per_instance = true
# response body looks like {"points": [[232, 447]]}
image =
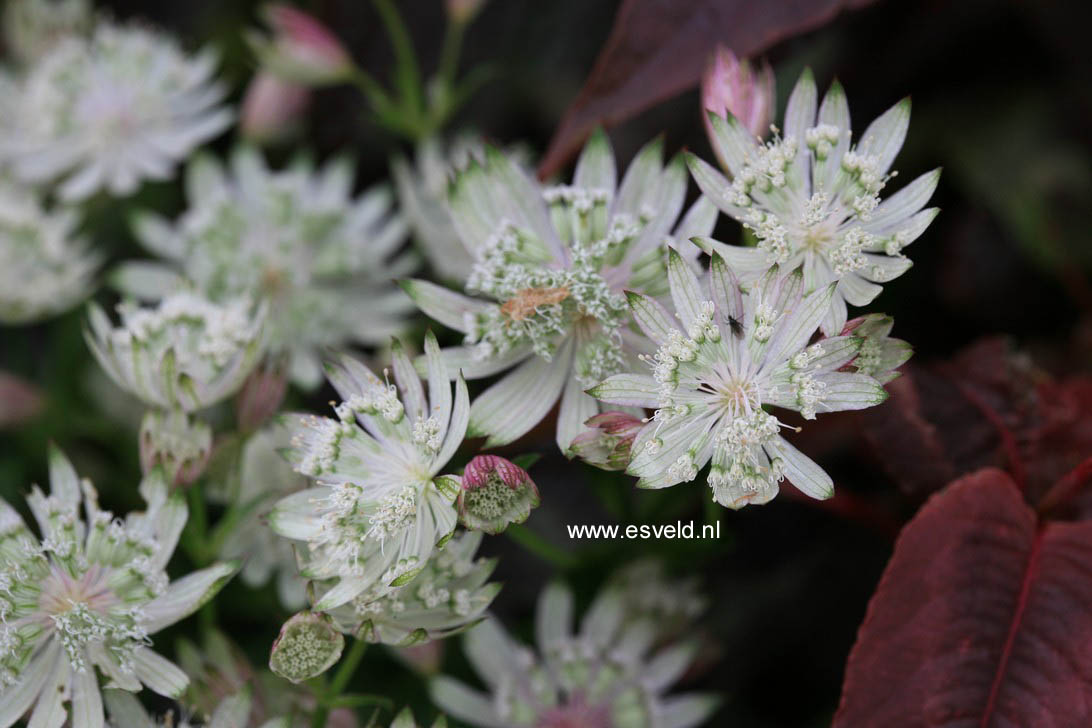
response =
{"points": [[380, 507], [186, 353], [82, 599], [449, 595], [551, 265], [296, 238], [723, 359], [811, 197], [609, 674], [108, 111], [405, 719], [45, 268]]}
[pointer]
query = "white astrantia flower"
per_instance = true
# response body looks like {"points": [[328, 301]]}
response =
{"points": [[33, 27], [608, 675], [264, 478], [722, 360], [812, 198], [380, 507], [45, 267], [84, 599], [185, 353], [233, 712], [110, 110], [422, 187], [648, 591], [296, 238], [448, 596], [551, 267]]}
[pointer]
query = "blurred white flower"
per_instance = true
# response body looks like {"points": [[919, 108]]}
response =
{"points": [[264, 478], [711, 385], [186, 353], [295, 238], [448, 596], [111, 110], [554, 263], [379, 508], [605, 676], [84, 599], [812, 199], [45, 268], [301, 49], [33, 27]]}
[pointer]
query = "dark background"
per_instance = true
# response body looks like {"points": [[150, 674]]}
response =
{"points": [[1001, 99]]}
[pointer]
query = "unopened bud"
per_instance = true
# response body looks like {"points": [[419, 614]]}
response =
{"points": [[302, 49], [19, 400], [171, 440], [307, 646], [272, 108], [607, 443], [260, 397], [733, 86], [495, 492]]}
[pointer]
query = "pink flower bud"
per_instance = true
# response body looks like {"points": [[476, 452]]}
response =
{"points": [[302, 49], [272, 108], [19, 400], [495, 492], [607, 444], [176, 443], [424, 657], [731, 86], [261, 397], [463, 11]]}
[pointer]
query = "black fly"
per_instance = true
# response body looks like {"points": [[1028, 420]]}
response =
{"points": [[735, 326]]}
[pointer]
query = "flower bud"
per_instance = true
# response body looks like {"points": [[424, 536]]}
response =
{"points": [[261, 396], [733, 86], [607, 444], [169, 439], [462, 11], [424, 657], [307, 646], [302, 49], [495, 492], [19, 400], [272, 108]]}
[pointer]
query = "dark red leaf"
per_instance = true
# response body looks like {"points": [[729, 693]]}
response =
{"points": [[982, 619], [658, 48]]}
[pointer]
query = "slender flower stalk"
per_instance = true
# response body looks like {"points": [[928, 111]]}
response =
{"points": [[379, 508], [79, 603], [551, 267], [812, 198], [723, 359]]}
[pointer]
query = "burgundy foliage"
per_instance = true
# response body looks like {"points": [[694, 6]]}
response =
{"points": [[658, 48], [983, 618]]}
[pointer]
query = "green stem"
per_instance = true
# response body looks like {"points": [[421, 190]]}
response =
{"points": [[337, 686], [449, 53], [409, 77], [540, 547], [198, 525]]}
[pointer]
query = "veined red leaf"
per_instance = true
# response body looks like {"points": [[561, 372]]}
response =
{"points": [[982, 619], [658, 48]]}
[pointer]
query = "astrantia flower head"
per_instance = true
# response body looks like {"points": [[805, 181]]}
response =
{"points": [[495, 492], [649, 592], [602, 677], [306, 647], [608, 439], [446, 597], [84, 599], [186, 353], [33, 27], [175, 442], [111, 110], [297, 239], [45, 268], [380, 506], [552, 264], [812, 198], [722, 360], [881, 354]]}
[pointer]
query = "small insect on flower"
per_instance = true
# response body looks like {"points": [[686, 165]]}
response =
{"points": [[83, 600], [186, 353], [379, 506], [45, 268], [551, 267], [710, 389], [110, 110], [495, 492], [605, 676], [812, 198], [322, 260]]}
